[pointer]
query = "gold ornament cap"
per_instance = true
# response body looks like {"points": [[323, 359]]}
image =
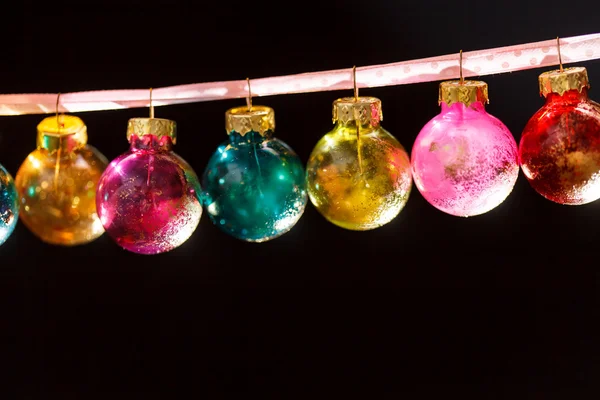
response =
{"points": [[64, 132], [259, 119], [466, 92], [559, 82], [158, 127], [364, 110]]}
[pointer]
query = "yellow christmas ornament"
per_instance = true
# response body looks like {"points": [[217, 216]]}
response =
{"points": [[57, 183], [358, 175]]}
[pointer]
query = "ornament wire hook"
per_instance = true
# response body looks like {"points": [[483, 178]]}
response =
{"points": [[559, 56], [58, 123], [249, 98], [356, 120], [58, 126], [151, 105], [460, 62], [354, 82], [151, 159], [57, 103]]}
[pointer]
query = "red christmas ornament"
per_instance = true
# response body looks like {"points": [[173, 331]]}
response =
{"points": [[559, 151]]}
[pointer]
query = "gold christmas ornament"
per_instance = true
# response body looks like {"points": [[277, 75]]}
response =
{"points": [[358, 175], [56, 183]]}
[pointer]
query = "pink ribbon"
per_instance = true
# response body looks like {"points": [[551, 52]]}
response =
{"points": [[475, 63]]}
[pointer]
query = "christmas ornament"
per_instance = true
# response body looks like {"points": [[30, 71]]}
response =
{"points": [[358, 174], [559, 150], [464, 160], [148, 198], [254, 187], [57, 183], [9, 205]]}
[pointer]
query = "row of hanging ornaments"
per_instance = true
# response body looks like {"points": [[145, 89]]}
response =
{"points": [[464, 162]]}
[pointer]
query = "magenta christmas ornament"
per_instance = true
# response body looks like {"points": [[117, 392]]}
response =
{"points": [[148, 198], [464, 161]]}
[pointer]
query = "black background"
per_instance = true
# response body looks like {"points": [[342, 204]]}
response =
{"points": [[504, 303]]}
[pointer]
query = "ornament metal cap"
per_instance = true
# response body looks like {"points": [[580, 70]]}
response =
{"points": [[65, 132], [364, 110], [158, 127], [466, 92], [559, 82], [259, 119]]}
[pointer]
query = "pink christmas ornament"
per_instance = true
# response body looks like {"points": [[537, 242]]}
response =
{"points": [[464, 161], [148, 198]]}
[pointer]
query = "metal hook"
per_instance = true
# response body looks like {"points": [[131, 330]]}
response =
{"points": [[151, 105], [58, 123], [354, 81], [249, 98], [57, 103], [58, 126], [559, 56], [462, 80]]}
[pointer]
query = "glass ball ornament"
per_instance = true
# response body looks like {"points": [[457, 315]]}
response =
{"points": [[559, 150], [254, 187], [358, 175], [57, 183], [9, 205], [148, 197], [464, 160]]}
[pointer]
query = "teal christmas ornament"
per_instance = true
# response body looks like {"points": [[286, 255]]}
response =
{"points": [[9, 205], [254, 185]]}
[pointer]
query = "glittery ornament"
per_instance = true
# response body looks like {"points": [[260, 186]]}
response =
{"points": [[464, 160], [148, 197], [254, 187], [559, 150], [9, 205], [358, 174], [57, 183]]}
